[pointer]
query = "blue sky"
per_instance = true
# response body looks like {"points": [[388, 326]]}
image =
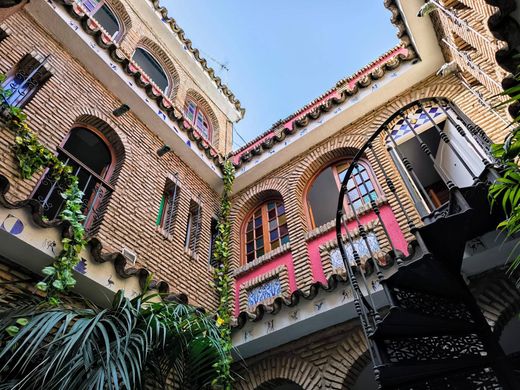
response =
{"points": [[282, 54]]}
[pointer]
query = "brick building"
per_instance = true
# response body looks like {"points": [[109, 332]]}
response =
{"points": [[121, 77]]}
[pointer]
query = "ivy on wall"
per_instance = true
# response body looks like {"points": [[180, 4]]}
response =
{"points": [[222, 278], [33, 156]]}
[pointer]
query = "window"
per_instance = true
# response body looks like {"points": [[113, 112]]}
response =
{"points": [[197, 117], [169, 206], [322, 196], [92, 160], [212, 240], [102, 13], [266, 230], [22, 82], [193, 228], [151, 67]]}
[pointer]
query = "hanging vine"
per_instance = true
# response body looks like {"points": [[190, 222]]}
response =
{"points": [[33, 156], [222, 279]]}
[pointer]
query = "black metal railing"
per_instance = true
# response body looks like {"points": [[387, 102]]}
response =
{"points": [[429, 132], [27, 79], [95, 189]]}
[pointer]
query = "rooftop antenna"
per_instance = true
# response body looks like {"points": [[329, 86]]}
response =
{"points": [[222, 65]]}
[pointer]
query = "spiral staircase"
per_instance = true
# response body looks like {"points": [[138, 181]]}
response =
{"points": [[430, 334]]}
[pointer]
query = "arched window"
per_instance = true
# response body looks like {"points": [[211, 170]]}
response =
{"points": [[322, 195], [265, 230], [102, 13], [88, 153], [198, 118], [151, 67]]}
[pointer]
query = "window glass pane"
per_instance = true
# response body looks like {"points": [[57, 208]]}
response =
{"points": [[350, 184], [260, 252], [260, 242], [258, 222], [190, 111], [275, 244], [353, 195], [108, 20], [271, 205], [250, 247], [272, 213], [357, 204], [284, 230], [282, 219], [364, 175], [322, 198], [259, 232], [281, 209], [272, 224], [250, 225], [249, 236], [250, 256], [151, 67], [273, 235], [369, 185], [285, 240]]}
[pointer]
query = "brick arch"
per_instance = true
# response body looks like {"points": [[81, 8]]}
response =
{"points": [[115, 138], [166, 62], [244, 204], [316, 161], [122, 15], [206, 108], [345, 363], [286, 366], [497, 296]]}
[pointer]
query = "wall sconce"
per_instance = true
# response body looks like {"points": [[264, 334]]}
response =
{"points": [[123, 109], [163, 150]]}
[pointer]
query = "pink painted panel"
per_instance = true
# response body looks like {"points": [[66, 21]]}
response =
{"points": [[394, 231], [284, 260]]}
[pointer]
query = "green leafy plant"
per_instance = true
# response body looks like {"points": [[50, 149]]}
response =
{"points": [[32, 156], [137, 343], [222, 278], [506, 190]]}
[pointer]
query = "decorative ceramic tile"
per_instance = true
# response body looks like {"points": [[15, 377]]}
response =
{"points": [[12, 225], [269, 289], [361, 248], [417, 119]]}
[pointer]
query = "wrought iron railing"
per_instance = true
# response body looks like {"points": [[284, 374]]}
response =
{"points": [[386, 136], [96, 192], [18, 87]]}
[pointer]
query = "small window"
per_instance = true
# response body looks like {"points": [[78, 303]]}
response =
{"points": [[266, 230], [102, 13], [193, 227], [151, 67], [22, 82], [169, 206], [322, 196], [197, 117], [212, 240]]}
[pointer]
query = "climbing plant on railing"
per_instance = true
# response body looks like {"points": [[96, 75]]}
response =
{"points": [[222, 279], [33, 156]]}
